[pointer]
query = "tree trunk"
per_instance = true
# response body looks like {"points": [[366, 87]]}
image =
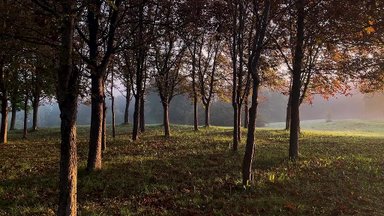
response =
{"points": [[288, 114], [250, 145], [25, 126], [195, 113], [239, 123], [253, 69], [95, 141], [126, 111], [4, 118], [136, 120], [246, 112], [104, 133], [167, 130], [207, 116], [296, 84], [68, 158], [67, 93], [35, 105], [195, 107], [13, 117], [235, 127], [142, 117], [113, 109]]}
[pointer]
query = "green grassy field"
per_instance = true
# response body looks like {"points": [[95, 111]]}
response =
{"points": [[340, 172]]}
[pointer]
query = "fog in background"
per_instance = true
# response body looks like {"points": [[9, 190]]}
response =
{"points": [[272, 108]]}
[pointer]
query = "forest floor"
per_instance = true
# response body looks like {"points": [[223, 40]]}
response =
{"points": [[196, 173]]}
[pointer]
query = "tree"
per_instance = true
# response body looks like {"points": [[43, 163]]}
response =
{"points": [[238, 50], [42, 82], [195, 16], [125, 71], [140, 36], [102, 21], [61, 35], [26, 100], [168, 52], [312, 63], [359, 45], [296, 82], [258, 43], [207, 70], [67, 96], [7, 11]]}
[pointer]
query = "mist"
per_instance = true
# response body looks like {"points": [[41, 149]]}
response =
{"points": [[272, 108]]}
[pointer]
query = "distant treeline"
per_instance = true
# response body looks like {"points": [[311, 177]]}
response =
{"points": [[272, 109]]}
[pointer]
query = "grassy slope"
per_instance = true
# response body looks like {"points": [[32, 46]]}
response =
{"points": [[196, 174]]}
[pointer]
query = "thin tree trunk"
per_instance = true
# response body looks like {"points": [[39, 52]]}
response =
{"points": [[136, 120], [4, 106], [140, 62], [142, 116], [235, 127], [4, 118], [167, 131], [239, 123], [250, 145], [113, 108], [207, 115], [195, 113], [96, 132], [195, 107], [288, 114], [296, 84], [246, 112], [254, 71], [126, 111], [35, 105], [25, 126], [234, 53], [67, 94], [13, 116], [104, 132]]}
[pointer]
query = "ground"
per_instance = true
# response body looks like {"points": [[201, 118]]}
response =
{"points": [[196, 173]]}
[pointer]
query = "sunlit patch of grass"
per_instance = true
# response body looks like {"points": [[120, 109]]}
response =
{"points": [[196, 173]]}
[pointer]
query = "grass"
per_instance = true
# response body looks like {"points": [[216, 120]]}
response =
{"points": [[195, 173]]}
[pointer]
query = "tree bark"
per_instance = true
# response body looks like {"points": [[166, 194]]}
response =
{"points": [[4, 107], [207, 115], [167, 130], [4, 118], [142, 116], [194, 90], [25, 126], [126, 111], [140, 54], [13, 116], [288, 114], [95, 141], [67, 93], [249, 147], [36, 94], [35, 105], [246, 112], [113, 108], [136, 120], [253, 67], [104, 133], [195, 113], [235, 128], [296, 84], [239, 123]]}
